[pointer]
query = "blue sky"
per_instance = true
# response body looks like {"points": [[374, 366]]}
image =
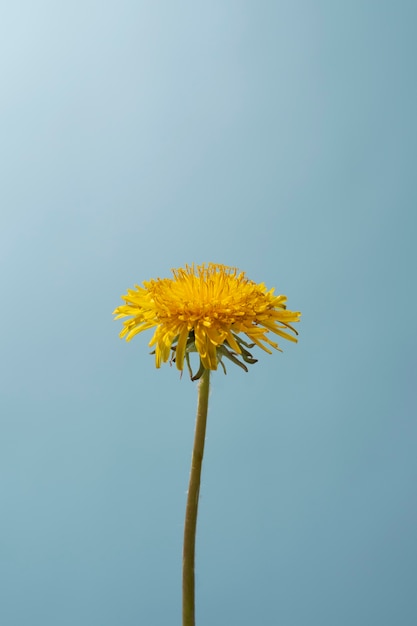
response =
{"points": [[278, 137]]}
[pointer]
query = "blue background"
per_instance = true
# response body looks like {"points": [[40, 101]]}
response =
{"points": [[278, 137]]}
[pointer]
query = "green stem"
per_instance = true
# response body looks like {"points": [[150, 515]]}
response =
{"points": [[188, 602]]}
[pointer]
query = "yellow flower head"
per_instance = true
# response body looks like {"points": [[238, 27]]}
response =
{"points": [[204, 309]]}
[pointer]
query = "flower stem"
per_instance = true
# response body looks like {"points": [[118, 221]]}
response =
{"points": [[188, 602]]}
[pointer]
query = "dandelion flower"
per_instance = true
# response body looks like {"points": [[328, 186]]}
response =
{"points": [[206, 309], [215, 311]]}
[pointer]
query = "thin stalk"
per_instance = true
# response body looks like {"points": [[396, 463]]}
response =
{"points": [[188, 595]]}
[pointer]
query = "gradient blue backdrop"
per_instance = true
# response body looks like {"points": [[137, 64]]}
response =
{"points": [[279, 137]]}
